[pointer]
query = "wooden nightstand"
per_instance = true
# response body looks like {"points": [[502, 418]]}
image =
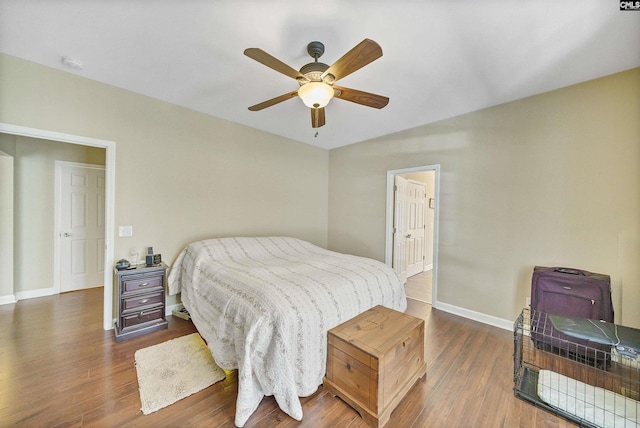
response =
{"points": [[141, 300], [374, 359]]}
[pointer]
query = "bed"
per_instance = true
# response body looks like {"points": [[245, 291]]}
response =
{"points": [[264, 306]]}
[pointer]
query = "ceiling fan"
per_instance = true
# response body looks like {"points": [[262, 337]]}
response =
{"points": [[317, 80]]}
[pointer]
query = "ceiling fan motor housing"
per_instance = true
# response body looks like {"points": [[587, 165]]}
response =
{"points": [[313, 71]]}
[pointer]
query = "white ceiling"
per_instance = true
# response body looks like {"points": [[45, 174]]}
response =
{"points": [[441, 58]]}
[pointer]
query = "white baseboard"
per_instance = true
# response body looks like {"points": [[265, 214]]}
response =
{"points": [[32, 294], [7, 300], [427, 268], [168, 309], [476, 316]]}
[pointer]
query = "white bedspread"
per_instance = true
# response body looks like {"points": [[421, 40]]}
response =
{"points": [[596, 405], [264, 306]]}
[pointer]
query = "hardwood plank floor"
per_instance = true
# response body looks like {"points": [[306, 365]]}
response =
{"points": [[419, 286], [59, 368]]}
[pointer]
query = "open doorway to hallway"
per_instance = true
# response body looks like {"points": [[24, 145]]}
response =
{"points": [[34, 136], [412, 229]]}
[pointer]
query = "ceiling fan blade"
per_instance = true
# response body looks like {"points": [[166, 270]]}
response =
{"points": [[273, 101], [272, 62], [317, 117], [360, 97], [362, 54]]}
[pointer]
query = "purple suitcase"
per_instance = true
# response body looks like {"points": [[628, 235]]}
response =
{"points": [[572, 293]]}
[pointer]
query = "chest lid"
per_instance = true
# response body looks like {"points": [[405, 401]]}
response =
{"points": [[376, 330]]}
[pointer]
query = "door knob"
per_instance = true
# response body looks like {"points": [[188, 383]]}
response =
{"points": [[408, 236], [66, 235]]}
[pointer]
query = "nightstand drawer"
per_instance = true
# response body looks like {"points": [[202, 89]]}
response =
{"points": [[144, 316], [142, 300], [142, 283]]}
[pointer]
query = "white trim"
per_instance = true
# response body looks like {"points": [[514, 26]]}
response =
{"points": [[476, 316], [32, 294], [168, 310], [389, 226], [7, 300], [7, 226], [109, 197], [427, 268]]}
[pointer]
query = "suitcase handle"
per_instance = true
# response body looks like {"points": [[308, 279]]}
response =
{"points": [[569, 271]]}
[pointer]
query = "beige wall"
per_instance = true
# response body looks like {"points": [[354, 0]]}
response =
{"points": [[180, 175], [552, 179], [34, 188]]}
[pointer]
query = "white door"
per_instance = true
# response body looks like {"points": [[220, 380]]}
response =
{"points": [[400, 228], [81, 226], [416, 203]]}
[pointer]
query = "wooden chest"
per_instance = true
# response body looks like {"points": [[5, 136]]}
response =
{"points": [[374, 359]]}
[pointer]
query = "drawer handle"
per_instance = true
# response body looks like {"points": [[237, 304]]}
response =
{"points": [[566, 288], [143, 301], [144, 284]]}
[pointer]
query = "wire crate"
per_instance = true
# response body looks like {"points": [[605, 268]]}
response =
{"points": [[589, 385]]}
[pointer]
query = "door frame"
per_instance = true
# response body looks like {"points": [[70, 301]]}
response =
{"points": [[57, 241], [389, 224], [7, 186], [109, 198]]}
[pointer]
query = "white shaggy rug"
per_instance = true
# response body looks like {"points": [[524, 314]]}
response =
{"points": [[173, 370]]}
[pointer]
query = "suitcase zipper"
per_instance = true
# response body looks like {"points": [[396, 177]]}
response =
{"points": [[593, 302]]}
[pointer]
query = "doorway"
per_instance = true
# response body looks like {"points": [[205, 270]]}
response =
{"points": [[412, 229], [109, 186]]}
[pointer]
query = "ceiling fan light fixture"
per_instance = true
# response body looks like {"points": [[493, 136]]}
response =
{"points": [[315, 94]]}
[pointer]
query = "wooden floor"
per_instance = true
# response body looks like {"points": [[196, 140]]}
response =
{"points": [[59, 368], [418, 286]]}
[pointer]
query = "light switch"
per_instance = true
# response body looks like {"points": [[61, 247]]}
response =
{"points": [[125, 231]]}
